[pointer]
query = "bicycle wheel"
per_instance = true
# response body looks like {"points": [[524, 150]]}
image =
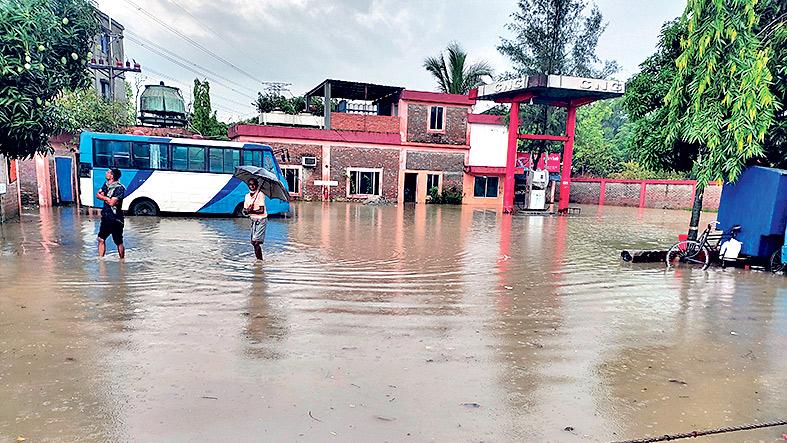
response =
{"points": [[776, 264], [688, 254]]}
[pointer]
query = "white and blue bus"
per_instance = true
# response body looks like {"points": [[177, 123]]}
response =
{"points": [[179, 175]]}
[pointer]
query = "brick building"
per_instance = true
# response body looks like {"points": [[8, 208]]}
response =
{"points": [[381, 141]]}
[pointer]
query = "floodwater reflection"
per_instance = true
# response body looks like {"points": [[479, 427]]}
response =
{"points": [[371, 323]]}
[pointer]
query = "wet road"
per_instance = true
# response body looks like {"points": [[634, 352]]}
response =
{"points": [[380, 324]]}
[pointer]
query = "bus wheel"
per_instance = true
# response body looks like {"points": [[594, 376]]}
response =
{"points": [[144, 207]]}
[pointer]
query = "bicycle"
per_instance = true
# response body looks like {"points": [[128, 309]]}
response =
{"points": [[698, 253]]}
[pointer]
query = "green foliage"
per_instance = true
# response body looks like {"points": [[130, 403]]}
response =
{"points": [[553, 37], [600, 146], [270, 102], [636, 171], [203, 119], [44, 48], [85, 109], [720, 97], [456, 76], [450, 196]]}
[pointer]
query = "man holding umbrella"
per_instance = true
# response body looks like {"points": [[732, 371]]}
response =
{"points": [[261, 183], [254, 207]]}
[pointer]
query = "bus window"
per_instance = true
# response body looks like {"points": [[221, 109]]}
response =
{"points": [[196, 158], [141, 154], [180, 156], [216, 160], [121, 154], [103, 153], [159, 156], [253, 158], [267, 162], [231, 160], [112, 153], [149, 156]]}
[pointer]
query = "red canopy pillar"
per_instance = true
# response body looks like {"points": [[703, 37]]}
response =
{"points": [[513, 138], [568, 151]]}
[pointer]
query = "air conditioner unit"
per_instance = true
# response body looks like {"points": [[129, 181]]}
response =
{"points": [[309, 162]]}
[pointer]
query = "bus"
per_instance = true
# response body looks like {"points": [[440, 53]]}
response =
{"points": [[177, 175]]}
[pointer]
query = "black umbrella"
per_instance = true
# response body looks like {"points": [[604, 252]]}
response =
{"points": [[270, 184]]}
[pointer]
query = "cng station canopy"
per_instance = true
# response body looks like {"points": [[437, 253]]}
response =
{"points": [[551, 90]]}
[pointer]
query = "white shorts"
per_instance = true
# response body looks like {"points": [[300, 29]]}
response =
{"points": [[258, 230]]}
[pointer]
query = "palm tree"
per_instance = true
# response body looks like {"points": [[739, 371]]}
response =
{"points": [[456, 77]]}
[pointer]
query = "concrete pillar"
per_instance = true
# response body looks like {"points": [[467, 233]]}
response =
{"points": [[513, 138], [568, 151]]}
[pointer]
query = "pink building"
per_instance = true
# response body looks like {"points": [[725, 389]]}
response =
{"points": [[379, 141]]}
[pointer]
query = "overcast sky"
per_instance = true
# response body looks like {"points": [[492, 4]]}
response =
{"points": [[377, 41]]}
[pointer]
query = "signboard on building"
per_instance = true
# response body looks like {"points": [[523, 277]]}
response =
{"points": [[326, 183], [3, 188]]}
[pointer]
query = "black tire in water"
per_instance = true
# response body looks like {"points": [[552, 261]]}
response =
{"points": [[688, 254], [144, 207], [775, 265]]}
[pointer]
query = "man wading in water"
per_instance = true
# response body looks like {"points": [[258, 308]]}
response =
{"points": [[111, 194], [254, 207]]}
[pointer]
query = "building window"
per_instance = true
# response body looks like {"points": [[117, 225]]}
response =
{"points": [[364, 181], [485, 187], [11, 171], [293, 176], [436, 118], [432, 181], [105, 92], [104, 39]]}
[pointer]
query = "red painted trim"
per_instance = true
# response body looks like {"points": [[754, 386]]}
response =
{"points": [[508, 182], [437, 97], [314, 134], [556, 138], [490, 170], [568, 151], [485, 119], [634, 182], [437, 146]]}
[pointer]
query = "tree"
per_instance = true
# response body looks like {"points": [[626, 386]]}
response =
{"points": [[601, 145], [270, 102], [44, 48], [553, 37], [644, 104], [203, 119], [720, 97], [456, 76], [85, 109]]}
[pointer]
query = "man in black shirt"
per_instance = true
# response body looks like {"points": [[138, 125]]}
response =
{"points": [[111, 194]]}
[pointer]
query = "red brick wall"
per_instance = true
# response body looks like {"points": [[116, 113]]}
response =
{"points": [[455, 126], [657, 195], [435, 161], [362, 122], [298, 151], [28, 181], [9, 202], [344, 157]]}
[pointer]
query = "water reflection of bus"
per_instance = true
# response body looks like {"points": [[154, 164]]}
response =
{"points": [[179, 175]]}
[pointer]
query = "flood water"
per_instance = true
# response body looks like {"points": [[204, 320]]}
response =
{"points": [[391, 323]]}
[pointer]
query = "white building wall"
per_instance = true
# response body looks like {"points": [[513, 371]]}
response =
{"points": [[488, 144]]}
